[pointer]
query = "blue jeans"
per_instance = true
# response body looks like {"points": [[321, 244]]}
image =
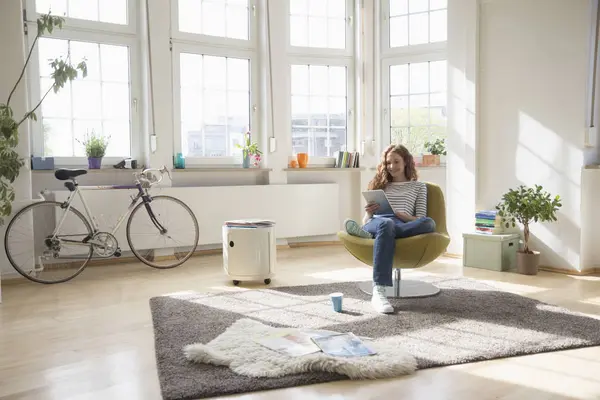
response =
{"points": [[386, 229]]}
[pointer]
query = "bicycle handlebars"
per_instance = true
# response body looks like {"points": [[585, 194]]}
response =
{"points": [[142, 176]]}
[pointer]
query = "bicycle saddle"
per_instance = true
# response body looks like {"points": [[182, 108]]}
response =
{"points": [[62, 174]]}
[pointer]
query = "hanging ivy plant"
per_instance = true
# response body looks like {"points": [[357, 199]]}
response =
{"points": [[10, 161]]}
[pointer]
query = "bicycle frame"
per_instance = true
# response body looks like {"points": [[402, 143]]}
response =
{"points": [[90, 217], [142, 193]]}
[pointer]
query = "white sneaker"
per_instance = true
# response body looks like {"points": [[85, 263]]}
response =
{"points": [[380, 301]]}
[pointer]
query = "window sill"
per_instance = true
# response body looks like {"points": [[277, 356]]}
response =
{"points": [[89, 171], [423, 167], [220, 169], [324, 169]]}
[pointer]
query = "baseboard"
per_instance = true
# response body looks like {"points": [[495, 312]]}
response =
{"points": [[585, 272], [452, 255], [315, 244], [15, 277]]}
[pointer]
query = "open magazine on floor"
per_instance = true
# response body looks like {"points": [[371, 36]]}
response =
{"points": [[343, 345], [294, 342], [297, 343]]}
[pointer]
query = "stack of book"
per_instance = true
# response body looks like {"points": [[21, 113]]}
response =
{"points": [[346, 159], [485, 222]]}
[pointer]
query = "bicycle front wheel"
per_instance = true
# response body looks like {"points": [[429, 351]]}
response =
{"points": [[162, 233], [45, 242]]}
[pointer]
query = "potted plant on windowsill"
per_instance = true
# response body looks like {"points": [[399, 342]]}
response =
{"points": [[250, 152], [527, 205], [437, 150], [62, 71], [95, 149]]}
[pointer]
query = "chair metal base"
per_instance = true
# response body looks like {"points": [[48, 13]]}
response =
{"points": [[403, 288]]}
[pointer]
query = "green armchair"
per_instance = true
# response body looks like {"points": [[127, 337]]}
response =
{"points": [[411, 252]]}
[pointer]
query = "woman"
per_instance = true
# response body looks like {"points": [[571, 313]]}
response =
{"points": [[397, 177]]}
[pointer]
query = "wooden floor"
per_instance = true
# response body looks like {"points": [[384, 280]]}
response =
{"points": [[92, 338]]}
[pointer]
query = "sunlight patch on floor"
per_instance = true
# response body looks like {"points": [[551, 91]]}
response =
{"points": [[518, 288], [537, 375], [594, 300], [346, 274], [589, 278]]}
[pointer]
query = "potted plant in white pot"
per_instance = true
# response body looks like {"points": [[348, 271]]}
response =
{"points": [[95, 149], [527, 205], [63, 71]]}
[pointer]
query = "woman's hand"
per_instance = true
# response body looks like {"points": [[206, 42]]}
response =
{"points": [[404, 216], [370, 208]]}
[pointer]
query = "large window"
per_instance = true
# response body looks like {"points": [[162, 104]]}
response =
{"points": [[414, 22], [214, 78], [215, 104], [414, 72], [318, 23], [320, 41], [104, 102], [99, 103], [319, 103], [110, 11], [221, 18], [417, 98]]}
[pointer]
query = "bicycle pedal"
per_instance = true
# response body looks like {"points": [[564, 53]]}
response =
{"points": [[118, 253]]}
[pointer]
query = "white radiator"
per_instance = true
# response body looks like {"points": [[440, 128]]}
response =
{"points": [[298, 209], [590, 218]]}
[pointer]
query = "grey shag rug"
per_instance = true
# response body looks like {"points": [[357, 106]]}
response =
{"points": [[468, 321]]}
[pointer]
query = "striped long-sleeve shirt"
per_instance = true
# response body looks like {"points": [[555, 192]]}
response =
{"points": [[409, 197]]}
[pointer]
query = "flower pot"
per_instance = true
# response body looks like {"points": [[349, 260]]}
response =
{"points": [[430, 160], [246, 161], [527, 264], [94, 162], [302, 159]]}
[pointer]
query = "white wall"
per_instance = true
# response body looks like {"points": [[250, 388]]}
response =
{"points": [[533, 66], [461, 171], [13, 55]]}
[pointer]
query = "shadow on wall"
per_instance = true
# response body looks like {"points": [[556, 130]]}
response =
{"points": [[532, 110], [557, 242]]}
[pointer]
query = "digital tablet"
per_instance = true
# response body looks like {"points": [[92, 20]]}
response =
{"points": [[379, 197]]}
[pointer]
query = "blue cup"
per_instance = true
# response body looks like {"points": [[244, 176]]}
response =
{"points": [[336, 301]]}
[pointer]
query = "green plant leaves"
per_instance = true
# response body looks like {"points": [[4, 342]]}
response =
{"points": [[249, 148], [95, 146], [527, 205], [436, 148], [10, 162]]}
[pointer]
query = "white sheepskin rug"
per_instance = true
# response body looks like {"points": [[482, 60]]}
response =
{"points": [[236, 349]]}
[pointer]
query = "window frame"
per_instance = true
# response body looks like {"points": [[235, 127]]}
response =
{"points": [[255, 123], [88, 25], [302, 55], [386, 57], [197, 43], [386, 50], [86, 31], [232, 43], [385, 87], [350, 99], [319, 51]]}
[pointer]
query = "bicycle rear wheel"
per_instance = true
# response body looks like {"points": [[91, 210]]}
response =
{"points": [[163, 233], [39, 253]]}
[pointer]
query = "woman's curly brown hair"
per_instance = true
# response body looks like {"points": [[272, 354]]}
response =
{"points": [[383, 177]]}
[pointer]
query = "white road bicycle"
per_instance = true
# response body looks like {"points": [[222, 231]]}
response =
{"points": [[52, 242]]}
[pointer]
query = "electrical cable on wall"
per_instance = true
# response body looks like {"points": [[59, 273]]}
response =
{"points": [[270, 72], [151, 83]]}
